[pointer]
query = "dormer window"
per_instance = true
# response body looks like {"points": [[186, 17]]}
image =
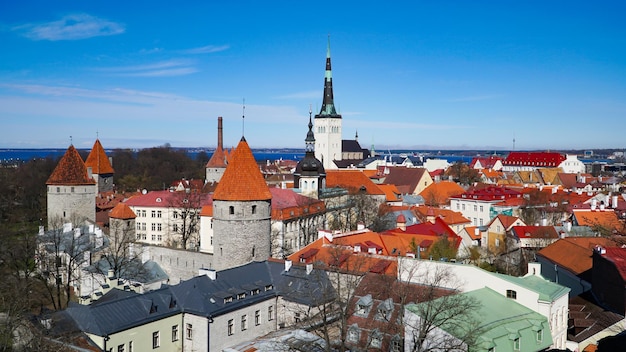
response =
{"points": [[511, 294], [241, 295], [228, 299], [364, 305], [255, 292], [385, 309], [268, 287]]}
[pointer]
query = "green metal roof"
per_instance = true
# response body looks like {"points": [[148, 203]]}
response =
{"points": [[548, 291]]}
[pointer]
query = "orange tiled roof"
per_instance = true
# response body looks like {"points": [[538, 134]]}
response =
{"points": [[607, 219], [98, 160], [440, 192], [353, 180], [450, 217], [574, 253], [391, 192], [506, 220], [71, 170], [122, 211], [242, 179], [207, 210], [219, 158]]}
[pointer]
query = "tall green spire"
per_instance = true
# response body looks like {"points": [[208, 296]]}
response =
{"points": [[328, 104]]}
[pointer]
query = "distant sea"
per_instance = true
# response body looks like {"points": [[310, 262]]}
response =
{"points": [[12, 156]]}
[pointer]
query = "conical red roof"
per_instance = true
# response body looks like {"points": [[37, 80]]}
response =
{"points": [[98, 160], [122, 211], [71, 170], [242, 179], [219, 158]]}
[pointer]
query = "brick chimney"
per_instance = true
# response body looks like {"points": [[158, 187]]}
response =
{"points": [[219, 133]]}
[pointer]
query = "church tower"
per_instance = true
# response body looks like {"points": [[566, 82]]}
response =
{"points": [[328, 123], [101, 169], [241, 212], [71, 191], [310, 176]]}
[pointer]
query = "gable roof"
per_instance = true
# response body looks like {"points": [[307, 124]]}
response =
{"points": [[450, 217], [242, 179], [505, 220], [98, 161], [607, 219], [536, 232], [574, 253], [438, 193], [70, 170], [167, 199], [405, 178], [354, 181]]}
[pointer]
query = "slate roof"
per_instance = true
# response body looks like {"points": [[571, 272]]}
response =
{"points": [[351, 146], [587, 319], [202, 296], [242, 179], [98, 160], [70, 170]]}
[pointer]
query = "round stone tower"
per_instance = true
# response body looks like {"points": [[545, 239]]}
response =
{"points": [[241, 212]]}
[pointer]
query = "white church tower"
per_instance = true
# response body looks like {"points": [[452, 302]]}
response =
{"points": [[328, 123]]}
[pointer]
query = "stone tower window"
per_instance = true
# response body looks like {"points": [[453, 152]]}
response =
{"points": [[254, 209], [231, 210]]}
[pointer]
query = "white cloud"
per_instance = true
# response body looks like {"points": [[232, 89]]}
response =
{"points": [[208, 49], [167, 68], [71, 27]]}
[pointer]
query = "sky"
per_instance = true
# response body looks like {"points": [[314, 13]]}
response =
{"points": [[491, 75]]}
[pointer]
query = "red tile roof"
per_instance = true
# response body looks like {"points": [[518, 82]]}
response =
{"points": [[122, 211], [242, 179], [540, 232], [538, 159], [287, 204], [451, 217], [98, 160], [168, 199], [71, 170], [617, 256], [489, 193]]}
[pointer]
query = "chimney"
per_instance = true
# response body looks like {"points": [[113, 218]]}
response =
{"points": [[593, 204], [288, 265], [614, 200], [220, 140], [401, 222], [111, 274], [309, 269], [208, 272]]}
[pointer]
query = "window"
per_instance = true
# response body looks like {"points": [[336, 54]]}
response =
{"points": [[138, 226], [175, 214], [160, 238], [58, 189], [254, 209], [189, 331], [516, 344], [481, 208], [153, 237], [353, 334], [159, 214], [159, 227], [257, 318], [231, 210], [174, 333], [297, 317], [120, 348], [143, 236], [364, 305], [463, 206], [244, 322], [138, 236], [396, 344], [230, 327], [72, 190], [156, 341], [511, 294], [270, 313], [475, 207], [153, 227], [540, 335], [377, 339], [154, 214], [497, 242], [130, 346], [175, 227]]}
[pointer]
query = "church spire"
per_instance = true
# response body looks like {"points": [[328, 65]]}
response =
{"points": [[328, 104], [309, 142]]}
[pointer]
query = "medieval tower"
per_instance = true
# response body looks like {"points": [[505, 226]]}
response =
{"points": [[328, 123], [100, 166], [241, 212], [310, 176], [71, 191], [216, 166]]}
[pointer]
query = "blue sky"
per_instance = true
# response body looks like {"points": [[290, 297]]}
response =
{"points": [[414, 74]]}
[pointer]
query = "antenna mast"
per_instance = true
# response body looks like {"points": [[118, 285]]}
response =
{"points": [[243, 118]]}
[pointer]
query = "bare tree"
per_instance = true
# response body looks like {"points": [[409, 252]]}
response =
{"points": [[62, 251], [185, 207], [438, 310]]}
